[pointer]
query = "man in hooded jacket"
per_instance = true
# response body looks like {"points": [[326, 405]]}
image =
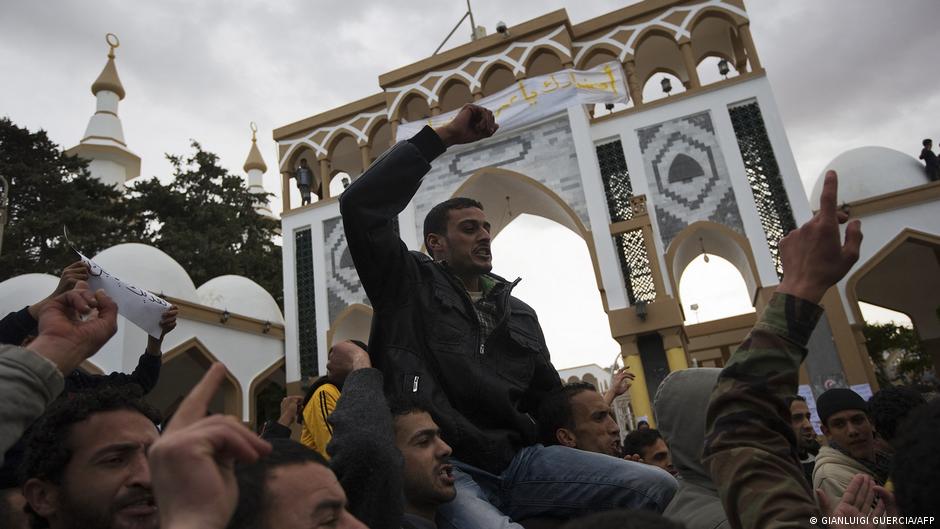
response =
{"points": [[696, 504]]}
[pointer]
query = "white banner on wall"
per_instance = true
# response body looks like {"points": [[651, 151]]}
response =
{"points": [[136, 304], [530, 100]]}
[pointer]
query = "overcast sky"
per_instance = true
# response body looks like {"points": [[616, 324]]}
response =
{"points": [[845, 74]]}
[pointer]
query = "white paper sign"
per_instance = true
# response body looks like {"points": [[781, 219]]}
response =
{"points": [[529, 100], [137, 305]]}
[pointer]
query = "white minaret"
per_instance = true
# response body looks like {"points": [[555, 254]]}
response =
{"points": [[103, 144], [255, 167]]}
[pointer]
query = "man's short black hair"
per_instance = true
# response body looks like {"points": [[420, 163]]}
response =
{"points": [[405, 405], [47, 450], [436, 219], [623, 519], [793, 398], [555, 411], [926, 141], [252, 478], [917, 462], [889, 407], [637, 440]]}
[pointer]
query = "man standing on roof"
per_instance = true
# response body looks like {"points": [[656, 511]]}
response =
{"points": [[448, 332]]}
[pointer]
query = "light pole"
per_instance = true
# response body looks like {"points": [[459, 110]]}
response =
{"points": [[4, 202]]}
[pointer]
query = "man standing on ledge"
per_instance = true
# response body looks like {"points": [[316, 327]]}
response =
{"points": [[449, 333]]}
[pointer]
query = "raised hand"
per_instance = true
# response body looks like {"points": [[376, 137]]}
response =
{"points": [[192, 464], [472, 123], [289, 409], [73, 273], [814, 257], [858, 501], [74, 325], [621, 382]]}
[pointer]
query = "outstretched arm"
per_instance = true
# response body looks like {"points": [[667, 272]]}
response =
{"points": [[750, 449], [372, 202]]}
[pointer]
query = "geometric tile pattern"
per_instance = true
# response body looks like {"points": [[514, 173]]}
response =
{"points": [[544, 152], [635, 266], [306, 303], [763, 175], [342, 282], [616, 179], [688, 177]]}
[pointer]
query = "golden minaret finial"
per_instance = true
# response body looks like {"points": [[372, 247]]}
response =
{"points": [[113, 42], [254, 132]]}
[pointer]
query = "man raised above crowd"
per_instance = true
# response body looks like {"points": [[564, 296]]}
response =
{"points": [[448, 331]]}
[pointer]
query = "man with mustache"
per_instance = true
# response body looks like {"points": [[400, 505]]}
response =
{"points": [[447, 332], [85, 465]]}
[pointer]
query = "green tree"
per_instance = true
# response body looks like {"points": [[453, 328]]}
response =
{"points": [[913, 361], [49, 189], [206, 220]]}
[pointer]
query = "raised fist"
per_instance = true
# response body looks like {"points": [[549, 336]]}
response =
{"points": [[472, 123]]}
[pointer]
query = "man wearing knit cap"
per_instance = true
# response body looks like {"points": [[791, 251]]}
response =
{"points": [[851, 450]]}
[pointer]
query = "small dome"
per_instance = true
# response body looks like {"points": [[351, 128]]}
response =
{"points": [[108, 79], [21, 291], [149, 268], [254, 160], [240, 295], [868, 172]]}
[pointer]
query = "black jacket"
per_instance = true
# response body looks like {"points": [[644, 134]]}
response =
{"points": [[425, 333]]}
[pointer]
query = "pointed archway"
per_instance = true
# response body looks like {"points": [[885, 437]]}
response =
{"points": [[183, 367]]}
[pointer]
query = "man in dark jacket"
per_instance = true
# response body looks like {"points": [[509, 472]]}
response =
{"points": [[449, 333], [931, 164]]}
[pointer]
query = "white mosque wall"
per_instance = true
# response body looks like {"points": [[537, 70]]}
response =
{"points": [[716, 103], [879, 229], [108, 172], [105, 122], [245, 354], [336, 284]]}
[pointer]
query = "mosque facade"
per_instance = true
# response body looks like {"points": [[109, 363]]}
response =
{"points": [[649, 183]]}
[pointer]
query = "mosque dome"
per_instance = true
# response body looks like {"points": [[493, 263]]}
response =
{"points": [[868, 172], [148, 268], [21, 291], [240, 295]]}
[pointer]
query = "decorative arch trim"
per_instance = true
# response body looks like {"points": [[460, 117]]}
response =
{"points": [[257, 383], [686, 236], [570, 216], [904, 236], [194, 344]]}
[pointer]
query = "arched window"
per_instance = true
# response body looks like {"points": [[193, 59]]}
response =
{"points": [[542, 62], [710, 70], [576, 331], [380, 140], [455, 95], [656, 89], [711, 288], [415, 108], [657, 51], [497, 78], [339, 182], [310, 157]]}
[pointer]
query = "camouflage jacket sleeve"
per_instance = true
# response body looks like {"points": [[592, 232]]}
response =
{"points": [[750, 449]]}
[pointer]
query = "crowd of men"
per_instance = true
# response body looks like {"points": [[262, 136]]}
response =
{"points": [[453, 416]]}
